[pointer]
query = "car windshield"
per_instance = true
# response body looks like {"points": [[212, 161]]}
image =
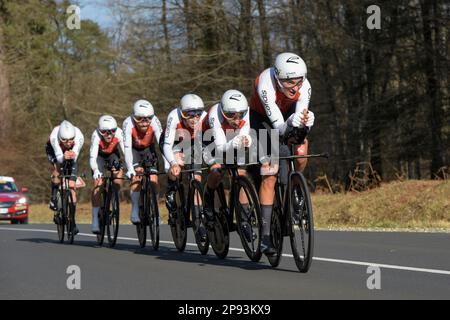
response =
{"points": [[6, 186]]}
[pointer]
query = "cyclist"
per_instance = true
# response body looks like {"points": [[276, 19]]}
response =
{"points": [[229, 121], [106, 141], [140, 131], [280, 99], [64, 144], [185, 125]]}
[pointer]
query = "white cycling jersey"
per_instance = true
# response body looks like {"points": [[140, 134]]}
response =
{"points": [[133, 139], [269, 100], [175, 126], [223, 133], [58, 149], [100, 147]]}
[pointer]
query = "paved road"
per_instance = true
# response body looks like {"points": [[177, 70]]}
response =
{"points": [[33, 265]]}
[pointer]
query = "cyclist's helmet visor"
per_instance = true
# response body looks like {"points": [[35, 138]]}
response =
{"points": [[235, 115], [191, 114]]}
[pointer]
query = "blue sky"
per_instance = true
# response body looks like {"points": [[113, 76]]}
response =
{"points": [[97, 11]]}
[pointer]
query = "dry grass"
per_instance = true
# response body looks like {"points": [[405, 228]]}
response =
{"points": [[404, 205], [396, 205], [40, 213]]}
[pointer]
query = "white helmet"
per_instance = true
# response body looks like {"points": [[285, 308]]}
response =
{"points": [[107, 123], [234, 101], [66, 131], [143, 108], [191, 102], [289, 66]]}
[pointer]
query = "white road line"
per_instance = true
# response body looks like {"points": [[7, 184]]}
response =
{"points": [[350, 262]]}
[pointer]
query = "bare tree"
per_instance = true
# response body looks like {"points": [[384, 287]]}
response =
{"points": [[5, 101]]}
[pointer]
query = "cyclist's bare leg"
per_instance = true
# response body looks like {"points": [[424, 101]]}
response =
{"points": [[301, 150], [214, 177], [95, 199], [267, 191], [73, 191], [136, 181], [56, 172], [173, 175], [135, 194], [155, 180], [213, 181], [55, 183], [95, 196], [197, 199], [72, 188], [118, 179], [267, 197], [197, 208], [242, 196]]}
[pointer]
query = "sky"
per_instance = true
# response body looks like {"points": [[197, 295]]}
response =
{"points": [[97, 11]]}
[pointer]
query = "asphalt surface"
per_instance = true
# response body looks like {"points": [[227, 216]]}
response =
{"points": [[33, 265]]}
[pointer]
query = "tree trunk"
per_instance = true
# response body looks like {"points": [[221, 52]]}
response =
{"points": [[245, 29], [166, 32], [187, 11], [435, 112], [5, 101], [265, 35]]}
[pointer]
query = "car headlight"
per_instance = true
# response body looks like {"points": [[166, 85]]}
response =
{"points": [[22, 201]]}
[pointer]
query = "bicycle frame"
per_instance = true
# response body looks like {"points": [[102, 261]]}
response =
{"points": [[188, 206], [65, 194], [234, 174]]}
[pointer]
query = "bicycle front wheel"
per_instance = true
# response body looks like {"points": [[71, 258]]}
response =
{"points": [[113, 219], [248, 217], [276, 235], [61, 221], [69, 208], [219, 233], [141, 227], [153, 216], [179, 227], [196, 199], [102, 216], [301, 222]]}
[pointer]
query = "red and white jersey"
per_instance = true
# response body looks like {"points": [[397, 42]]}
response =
{"points": [[133, 139], [59, 148], [222, 132], [177, 128], [100, 147], [269, 100]]}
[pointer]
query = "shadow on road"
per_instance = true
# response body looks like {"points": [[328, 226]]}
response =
{"points": [[169, 254]]}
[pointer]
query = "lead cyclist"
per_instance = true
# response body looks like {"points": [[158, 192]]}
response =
{"points": [[281, 100], [229, 121], [64, 144]]}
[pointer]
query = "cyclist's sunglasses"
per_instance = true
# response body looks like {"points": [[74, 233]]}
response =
{"points": [[108, 132], [235, 115], [192, 114], [141, 119], [291, 83], [67, 140]]}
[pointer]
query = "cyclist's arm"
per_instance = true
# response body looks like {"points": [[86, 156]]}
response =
{"points": [[268, 96], [245, 130], [54, 141], [128, 143], [93, 153], [79, 141], [220, 138], [305, 98], [119, 135], [157, 128], [169, 138]]}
